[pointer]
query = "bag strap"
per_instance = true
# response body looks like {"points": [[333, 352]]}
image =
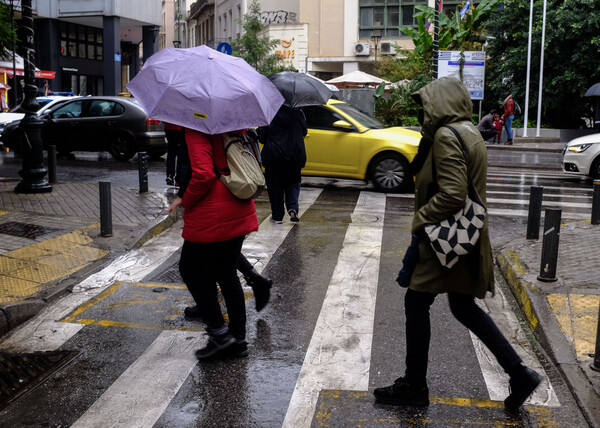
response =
{"points": [[471, 187]]}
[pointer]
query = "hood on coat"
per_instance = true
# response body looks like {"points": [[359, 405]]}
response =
{"points": [[444, 101]]}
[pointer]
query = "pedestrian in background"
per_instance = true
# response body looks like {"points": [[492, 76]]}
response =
{"points": [[486, 125], [447, 102], [215, 224], [283, 157], [498, 125], [175, 137], [507, 118]]}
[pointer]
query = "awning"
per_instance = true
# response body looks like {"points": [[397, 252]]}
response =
{"points": [[40, 74], [6, 66]]}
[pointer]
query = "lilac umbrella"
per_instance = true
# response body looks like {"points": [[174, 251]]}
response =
{"points": [[205, 90]]}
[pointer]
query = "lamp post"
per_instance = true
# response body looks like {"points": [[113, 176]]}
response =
{"points": [[33, 170], [376, 37]]}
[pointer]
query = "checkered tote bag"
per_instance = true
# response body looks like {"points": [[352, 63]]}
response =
{"points": [[458, 234]]}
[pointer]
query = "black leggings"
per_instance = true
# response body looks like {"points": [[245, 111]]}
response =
{"points": [[466, 311], [202, 267]]}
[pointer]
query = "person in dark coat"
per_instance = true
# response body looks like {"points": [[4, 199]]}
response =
{"points": [[447, 102], [215, 225], [486, 125], [283, 157]]}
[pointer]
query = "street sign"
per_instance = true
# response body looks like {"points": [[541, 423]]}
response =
{"points": [[225, 48], [473, 70]]}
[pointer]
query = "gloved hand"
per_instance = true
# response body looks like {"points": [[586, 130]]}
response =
{"points": [[410, 260]]}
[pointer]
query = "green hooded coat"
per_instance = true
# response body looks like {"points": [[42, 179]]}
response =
{"points": [[447, 102]]}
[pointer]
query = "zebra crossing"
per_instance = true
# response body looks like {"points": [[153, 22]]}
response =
{"points": [[338, 350]]}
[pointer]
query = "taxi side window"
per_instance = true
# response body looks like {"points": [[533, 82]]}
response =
{"points": [[319, 117]]}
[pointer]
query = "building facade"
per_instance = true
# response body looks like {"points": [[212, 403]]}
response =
{"points": [[95, 46]]}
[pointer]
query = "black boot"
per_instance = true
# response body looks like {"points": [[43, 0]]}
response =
{"points": [[261, 285]]}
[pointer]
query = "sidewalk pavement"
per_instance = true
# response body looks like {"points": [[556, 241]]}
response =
{"points": [[49, 241]]}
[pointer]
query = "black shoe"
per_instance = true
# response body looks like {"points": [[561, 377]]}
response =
{"points": [[214, 345], [261, 285], [522, 386], [401, 393], [170, 181], [192, 312], [237, 350], [293, 216]]}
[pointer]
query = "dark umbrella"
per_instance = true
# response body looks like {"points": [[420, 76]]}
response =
{"points": [[299, 89], [594, 91]]}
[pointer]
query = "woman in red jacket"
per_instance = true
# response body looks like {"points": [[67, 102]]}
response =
{"points": [[215, 224]]}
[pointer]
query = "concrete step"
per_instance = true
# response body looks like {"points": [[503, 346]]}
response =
{"points": [[536, 140]]}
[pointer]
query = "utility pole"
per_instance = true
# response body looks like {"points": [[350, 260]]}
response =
{"points": [[12, 31], [436, 34], [33, 170]]}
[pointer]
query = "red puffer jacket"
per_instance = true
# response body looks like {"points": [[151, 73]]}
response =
{"points": [[211, 212]]}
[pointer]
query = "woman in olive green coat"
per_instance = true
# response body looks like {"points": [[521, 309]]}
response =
{"points": [[447, 102]]}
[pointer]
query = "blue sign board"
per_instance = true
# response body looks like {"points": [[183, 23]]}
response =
{"points": [[225, 48]]}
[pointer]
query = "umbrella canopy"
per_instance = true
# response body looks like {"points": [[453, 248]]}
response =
{"points": [[356, 79], [4, 86], [6, 66], [205, 90], [332, 88], [300, 90], [593, 91]]}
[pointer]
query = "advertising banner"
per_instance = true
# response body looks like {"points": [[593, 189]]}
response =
{"points": [[473, 69]]}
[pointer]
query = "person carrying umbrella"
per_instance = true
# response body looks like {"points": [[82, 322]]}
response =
{"points": [[230, 96], [284, 153]]}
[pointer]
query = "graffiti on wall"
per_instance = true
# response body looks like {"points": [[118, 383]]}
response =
{"points": [[278, 17]]}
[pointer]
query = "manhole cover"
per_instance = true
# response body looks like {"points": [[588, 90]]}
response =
{"points": [[25, 230], [20, 373]]}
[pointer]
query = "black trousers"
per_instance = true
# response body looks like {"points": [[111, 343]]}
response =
{"points": [[466, 311], [202, 267]]}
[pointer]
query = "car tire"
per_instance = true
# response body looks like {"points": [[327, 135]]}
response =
{"points": [[389, 173], [595, 169], [122, 147]]}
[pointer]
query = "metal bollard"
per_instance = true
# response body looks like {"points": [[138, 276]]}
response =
{"points": [[52, 164], [550, 245], [595, 365], [105, 210], [535, 212], [143, 171], [596, 203]]}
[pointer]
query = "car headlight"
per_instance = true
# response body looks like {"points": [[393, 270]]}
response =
{"points": [[579, 148]]}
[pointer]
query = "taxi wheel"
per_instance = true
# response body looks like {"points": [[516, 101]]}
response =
{"points": [[389, 173]]}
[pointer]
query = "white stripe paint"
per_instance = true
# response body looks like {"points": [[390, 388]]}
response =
{"points": [[259, 247], [495, 378], [339, 353], [142, 393]]}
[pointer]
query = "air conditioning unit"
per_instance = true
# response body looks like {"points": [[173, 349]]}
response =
{"points": [[362, 49], [386, 48]]}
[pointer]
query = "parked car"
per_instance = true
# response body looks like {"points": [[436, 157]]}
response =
{"points": [[98, 123], [582, 156], [344, 142], [18, 113]]}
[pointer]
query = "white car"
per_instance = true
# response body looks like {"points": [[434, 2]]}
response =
{"points": [[45, 103], [582, 156]]}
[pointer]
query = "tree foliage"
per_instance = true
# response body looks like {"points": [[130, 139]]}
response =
{"points": [[256, 48], [571, 58], [6, 34]]}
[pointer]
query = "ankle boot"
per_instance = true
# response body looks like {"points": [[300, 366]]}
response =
{"points": [[261, 285]]}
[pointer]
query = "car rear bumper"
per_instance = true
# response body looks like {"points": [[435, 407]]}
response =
{"points": [[152, 140]]}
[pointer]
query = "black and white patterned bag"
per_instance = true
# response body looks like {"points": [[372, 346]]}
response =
{"points": [[458, 235]]}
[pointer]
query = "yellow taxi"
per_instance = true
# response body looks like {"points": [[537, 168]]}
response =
{"points": [[343, 142]]}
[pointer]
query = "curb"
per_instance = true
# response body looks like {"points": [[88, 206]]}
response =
{"points": [[15, 313], [540, 318]]}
